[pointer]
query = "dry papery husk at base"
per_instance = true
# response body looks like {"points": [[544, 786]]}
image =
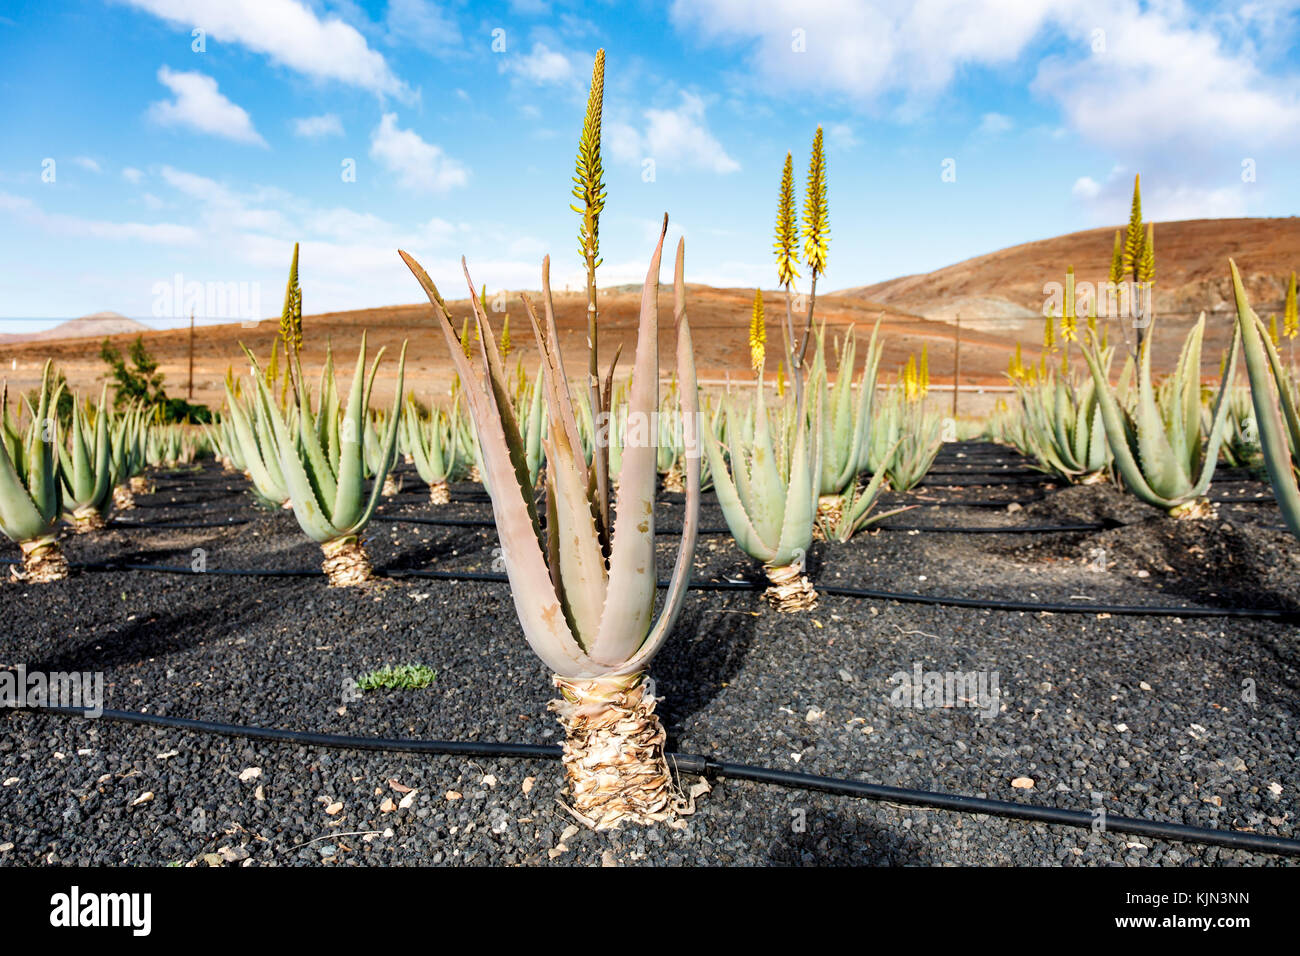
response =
{"points": [[43, 562], [346, 563], [790, 589], [614, 754]]}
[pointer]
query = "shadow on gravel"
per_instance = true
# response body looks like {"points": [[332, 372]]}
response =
{"points": [[139, 641], [706, 651], [837, 839]]}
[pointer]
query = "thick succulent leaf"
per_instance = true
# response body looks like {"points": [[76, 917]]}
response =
{"points": [[733, 510], [629, 604], [536, 602], [767, 491], [689, 407], [345, 507], [1117, 435], [1163, 470], [308, 511], [801, 497], [1219, 420], [1267, 391], [387, 449]]}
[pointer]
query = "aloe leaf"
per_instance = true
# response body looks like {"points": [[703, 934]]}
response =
{"points": [[308, 511], [1112, 417], [345, 507], [536, 601], [689, 405], [733, 510], [1219, 421], [1268, 418], [629, 604], [1164, 472], [388, 447]]}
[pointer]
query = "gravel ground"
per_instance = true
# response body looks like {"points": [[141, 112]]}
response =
{"points": [[1189, 720]]}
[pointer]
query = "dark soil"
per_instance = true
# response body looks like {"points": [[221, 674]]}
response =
{"points": [[1191, 720]]}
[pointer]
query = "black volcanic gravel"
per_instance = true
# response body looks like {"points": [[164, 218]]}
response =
{"points": [[1146, 716]]}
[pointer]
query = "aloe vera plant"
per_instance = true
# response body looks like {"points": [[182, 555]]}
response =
{"points": [[86, 467], [587, 610], [373, 453], [1159, 448], [1273, 394], [845, 434], [767, 488], [433, 447], [127, 453], [1063, 428], [256, 450], [30, 498], [325, 479]]}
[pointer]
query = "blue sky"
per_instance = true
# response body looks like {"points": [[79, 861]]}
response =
{"points": [[130, 158]]}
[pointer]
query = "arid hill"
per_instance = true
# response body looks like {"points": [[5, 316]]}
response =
{"points": [[95, 326], [1191, 270], [719, 324], [999, 296]]}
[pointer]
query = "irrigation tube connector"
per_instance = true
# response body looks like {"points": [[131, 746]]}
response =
{"points": [[711, 767], [902, 597]]}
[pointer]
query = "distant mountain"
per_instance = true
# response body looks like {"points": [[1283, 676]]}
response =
{"points": [[998, 289], [97, 325]]}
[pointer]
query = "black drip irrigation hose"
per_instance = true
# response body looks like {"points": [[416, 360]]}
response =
{"points": [[901, 597], [711, 767]]}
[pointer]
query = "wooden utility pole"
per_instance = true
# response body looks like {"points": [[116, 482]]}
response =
{"points": [[956, 364], [189, 392]]}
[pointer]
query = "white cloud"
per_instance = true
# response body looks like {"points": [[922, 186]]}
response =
{"points": [[1108, 201], [85, 162], [677, 138], [1163, 82], [291, 34], [866, 49], [1085, 187], [199, 105], [841, 136], [318, 127], [419, 165], [542, 65], [993, 124], [132, 175], [1165, 74], [422, 24], [76, 227]]}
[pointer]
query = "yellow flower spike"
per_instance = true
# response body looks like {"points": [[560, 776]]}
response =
{"points": [[787, 228], [1133, 236], [1049, 334], [589, 186], [909, 378], [923, 373], [1290, 317], [757, 334], [464, 340], [780, 380], [1146, 271], [1272, 329], [291, 316], [816, 221], [504, 342], [1117, 260], [1069, 314]]}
